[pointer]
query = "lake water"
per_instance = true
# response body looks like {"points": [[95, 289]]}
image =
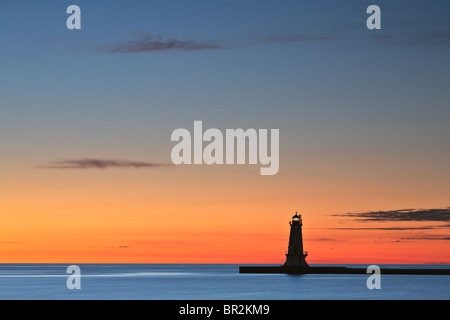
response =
{"points": [[209, 282]]}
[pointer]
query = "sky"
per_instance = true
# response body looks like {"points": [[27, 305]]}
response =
{"points": [[86, 118]]}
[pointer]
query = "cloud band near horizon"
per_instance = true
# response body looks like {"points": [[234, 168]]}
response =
{"points": [[101, 164], [442, 214]]}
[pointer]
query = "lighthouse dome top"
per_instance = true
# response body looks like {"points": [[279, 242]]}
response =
{"points": [[296, 217]]}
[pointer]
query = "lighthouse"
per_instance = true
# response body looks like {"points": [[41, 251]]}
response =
{"points": [[296, 263], [295, 257]]}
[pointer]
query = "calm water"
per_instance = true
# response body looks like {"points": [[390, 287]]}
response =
{"points": [[208, 282]]}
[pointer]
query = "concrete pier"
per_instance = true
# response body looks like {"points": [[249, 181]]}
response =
{"points": [[338, 270]]}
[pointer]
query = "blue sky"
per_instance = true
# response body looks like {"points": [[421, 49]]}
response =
{"points": [[310, 68]]}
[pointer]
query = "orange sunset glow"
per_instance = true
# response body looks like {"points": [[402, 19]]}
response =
{"points": [[87, 117], [94, 217]]}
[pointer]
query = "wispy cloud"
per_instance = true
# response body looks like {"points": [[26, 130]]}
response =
{"points": [[100, 164], [160, 243], [150, 43], [408, 38], [140, 42], [393, 228], [321, 239], [144, 42], [443, 35], [439, 37], [287, 38], [401, 215]]}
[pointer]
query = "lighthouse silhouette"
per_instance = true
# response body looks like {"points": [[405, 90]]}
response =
{"points": [[295, 257]]}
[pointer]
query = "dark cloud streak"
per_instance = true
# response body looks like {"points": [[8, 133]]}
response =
{"points": [[141, 42], [100, 164], [151, 43], [401, 215], [288, 38], [430, 238], [390, 229]]}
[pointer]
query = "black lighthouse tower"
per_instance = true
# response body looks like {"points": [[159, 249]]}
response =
{"points": [[295, 257]]}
